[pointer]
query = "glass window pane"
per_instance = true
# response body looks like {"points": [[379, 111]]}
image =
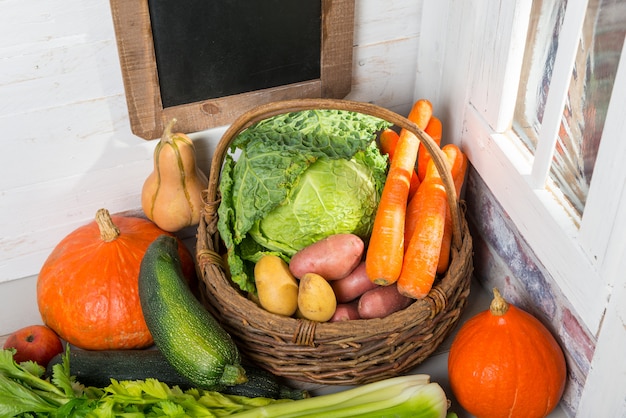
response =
{"points": [[588, 98], [591, 83], [542, 42]]}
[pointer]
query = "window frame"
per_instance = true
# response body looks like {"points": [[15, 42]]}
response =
{"points": [[487, 38]]}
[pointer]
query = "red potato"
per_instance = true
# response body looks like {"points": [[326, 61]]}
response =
{"points": [[353, 285], [333, 257], [382, 301], [346, 311]]}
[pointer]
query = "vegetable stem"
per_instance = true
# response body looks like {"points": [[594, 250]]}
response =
{"points": [[108, 230], [10, 369], [498, 306], [405, 396], [167, 135]]}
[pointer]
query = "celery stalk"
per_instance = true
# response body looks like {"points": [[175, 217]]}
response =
{"points": [[405, 396], [24, 392]]}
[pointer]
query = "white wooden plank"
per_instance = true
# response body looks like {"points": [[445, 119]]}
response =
{"points": [[50, 210], [498, 59], [60, 76], [99, 56], [73, 140], [46, 24], [381, 21], [431, 53], [604, 393], [78, 138], [384, 74], [444, 80]]}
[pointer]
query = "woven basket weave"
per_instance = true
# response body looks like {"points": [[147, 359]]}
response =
{"points": [[339, 353]]}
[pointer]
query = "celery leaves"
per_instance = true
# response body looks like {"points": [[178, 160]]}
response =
{"points": [[24, 392]]}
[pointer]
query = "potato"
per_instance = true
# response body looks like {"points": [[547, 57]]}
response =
{"points": [[346, 312], [333, 257], [277, 289], [382, 301], [353, 285], [316, 299]]}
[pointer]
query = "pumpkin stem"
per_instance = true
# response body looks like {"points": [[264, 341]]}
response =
{"points": [[498, 305], [167, 132], [108, 230]]}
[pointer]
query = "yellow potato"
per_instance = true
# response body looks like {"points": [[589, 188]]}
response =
{"points": [[316, 299], [276, 287]]}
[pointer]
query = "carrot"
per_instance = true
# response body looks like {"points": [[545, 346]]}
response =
{"points": [[458, 170], [421, 258], [446, 243], [433, 129], [421, 113], [385, 252], [413, 208], [457, 162], [428, 226], [388, 141], [415, 184]]}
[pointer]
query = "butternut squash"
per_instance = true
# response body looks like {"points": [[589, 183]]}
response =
{"points": [[172, 194]]}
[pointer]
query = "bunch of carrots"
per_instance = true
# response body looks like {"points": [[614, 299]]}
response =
{"points": [[412, 233]]}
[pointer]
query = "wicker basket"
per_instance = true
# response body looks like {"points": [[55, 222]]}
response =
{"points": [[339, 353]]}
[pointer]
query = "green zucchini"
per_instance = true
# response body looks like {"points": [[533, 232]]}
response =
{"points": [[263, 384], [189, 336], [97, 368]]}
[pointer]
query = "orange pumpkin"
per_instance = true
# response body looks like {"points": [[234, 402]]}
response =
{"points": [[504, 363], [87, 288]]}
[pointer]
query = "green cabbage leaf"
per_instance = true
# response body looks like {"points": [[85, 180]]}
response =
{"points": [[294, 179]]}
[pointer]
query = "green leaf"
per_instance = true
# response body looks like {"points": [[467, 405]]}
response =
{"points": [[16, 398], [33, 368], [61, 375], [76, 408], [274, 156], [10, 369], [25, 395]]}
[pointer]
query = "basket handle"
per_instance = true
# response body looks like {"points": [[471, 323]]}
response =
{"points": [[287, 106]]}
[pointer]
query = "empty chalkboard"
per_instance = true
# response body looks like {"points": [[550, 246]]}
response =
{"points": [[206, 62]]}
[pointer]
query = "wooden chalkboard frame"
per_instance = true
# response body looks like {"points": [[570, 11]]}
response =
{"points": [[148, 117]]}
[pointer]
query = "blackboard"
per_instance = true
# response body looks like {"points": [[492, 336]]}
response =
{"points": [[206, 62]]}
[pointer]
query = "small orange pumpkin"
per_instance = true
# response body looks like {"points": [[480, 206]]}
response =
{"points": [[87, 289], [505, 363]]}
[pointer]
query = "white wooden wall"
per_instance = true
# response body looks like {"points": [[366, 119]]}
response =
{"points": [[67, 149]]}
